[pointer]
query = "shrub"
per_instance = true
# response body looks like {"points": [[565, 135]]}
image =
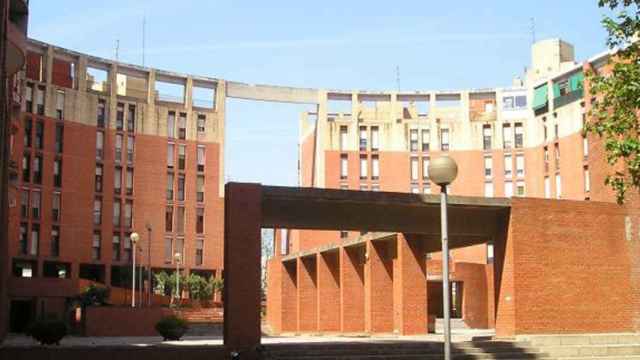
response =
{"points": [[171, 327], [93, 295], [48, 332]]}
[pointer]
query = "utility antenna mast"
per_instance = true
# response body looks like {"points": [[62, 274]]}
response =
{"points": [[398, 76], [144, 22], [117, 48], [533, 29]]}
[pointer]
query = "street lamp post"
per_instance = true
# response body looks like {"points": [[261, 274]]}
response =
{"points": [[443, 171], [134, 239], [149, 264], [177, 256]]}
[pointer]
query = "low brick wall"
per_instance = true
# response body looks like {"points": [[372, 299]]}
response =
{"points": [[123, 321], [159, 352]]}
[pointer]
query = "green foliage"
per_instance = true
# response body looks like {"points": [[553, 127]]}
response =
{"points": [[48, 332], [171, 327], [616, 104], [199, 287], [93, 295]]}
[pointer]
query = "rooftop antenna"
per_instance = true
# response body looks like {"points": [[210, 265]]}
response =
{"points": [[117, 48], [532, 28], [398, 76], [144, 22]]}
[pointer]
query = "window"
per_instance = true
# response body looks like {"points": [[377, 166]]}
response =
{"points": [[180, 220], [37, 169], [117, 180], [180, 187], [56, 206], [200, 188], [98, 178], [547, 187], [558, 186], [202, 120], [57, 173], [587, 181], [488, 189], [117, 212], [506, 136], [364, 166], [490, 251], [170, 177], [39, 134], [363, 138], [168, 219], [120, 116], [556, 151], [59, 104], [182, 150], [127, 248], [170, 152], [55, 241], [344, 131], [24, 239], [168, 250], [343, 235], [425, 169], [182, 126], [507, 103], [375, 138], [36, 203], [375, 167], [489, 106], [24, 203], [344, 166], [95, 245], [199, 220], [444, 139], [520, 165], [375, 187], [119, 141], [201, 157], [29, 98], [99, 145], [488, 167], [131, 119], [415, 189], [508, 189], [425, 139], [413, 140], [59, 138], [556, 131], [519, 135], [508, 166], [520, 188], [28, 123], [427, 188], [199, 251], [101, 113], [129, 181], [130, 149], [171, 125], [585, 147], [180, 250], [414, 169], [35, 239], [364, 187], [128, 214], [486, 137], [115, 245], [26, 168], [97, 211], [521, 101], [40, 100]]}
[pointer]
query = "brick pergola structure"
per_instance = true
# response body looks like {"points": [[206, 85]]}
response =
{"points": [[559, 266]]}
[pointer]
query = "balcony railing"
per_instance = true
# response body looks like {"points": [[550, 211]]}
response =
{"points": [[483, 115], [568, 98]]}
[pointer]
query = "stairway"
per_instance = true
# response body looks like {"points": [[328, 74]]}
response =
{"points": [[456, 324], [398, 350], [624, 346], [202, 321]]}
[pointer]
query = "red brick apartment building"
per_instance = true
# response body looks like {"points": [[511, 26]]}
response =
{"points": [[102, 149], [522, 141]]}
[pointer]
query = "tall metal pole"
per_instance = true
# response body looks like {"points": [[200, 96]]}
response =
{"points": [[178, 280], [133, 276], [141, 298], [445, 273], [149, 266]]}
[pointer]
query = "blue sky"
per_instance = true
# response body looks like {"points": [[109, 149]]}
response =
{"points": [[328, 44]]}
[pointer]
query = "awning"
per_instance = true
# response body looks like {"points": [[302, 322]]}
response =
{"points": [[540, 97]]}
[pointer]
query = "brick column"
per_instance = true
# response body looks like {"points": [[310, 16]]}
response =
{"points": [[243, 217], [328, 291], [307, 294], [378, 288], [410, 287], [352, 289]]}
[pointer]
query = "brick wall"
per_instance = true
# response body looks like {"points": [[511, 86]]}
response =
{"points": [[122, 321]]}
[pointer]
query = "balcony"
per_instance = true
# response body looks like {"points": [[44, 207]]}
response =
{"points": [[568, 98], [484, 116]]}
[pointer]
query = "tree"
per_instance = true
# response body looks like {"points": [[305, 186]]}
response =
{"points": [[614, 113]]}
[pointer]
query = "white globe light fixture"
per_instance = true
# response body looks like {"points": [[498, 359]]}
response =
{"points": [[134, 240]]}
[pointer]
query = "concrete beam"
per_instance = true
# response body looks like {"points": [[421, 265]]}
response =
{"points": [[274, 93]]}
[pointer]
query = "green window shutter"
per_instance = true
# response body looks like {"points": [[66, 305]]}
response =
{"points": [[540, 97], [576, 81], [556, 90]]}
